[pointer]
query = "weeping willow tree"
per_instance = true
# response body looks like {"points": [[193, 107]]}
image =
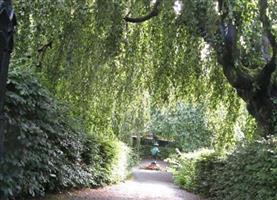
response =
{"points": [[242, 35], [111, 71]]}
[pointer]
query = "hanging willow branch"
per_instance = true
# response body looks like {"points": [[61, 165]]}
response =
{"points": [[154, 12]]}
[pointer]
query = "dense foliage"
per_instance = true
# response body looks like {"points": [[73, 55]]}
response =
{"points": [[112, 73], [109, 160], [185, 125], [248, 173], [46, 150]]}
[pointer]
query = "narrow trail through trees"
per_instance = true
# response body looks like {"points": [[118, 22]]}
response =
{"points": [[144, 185]]}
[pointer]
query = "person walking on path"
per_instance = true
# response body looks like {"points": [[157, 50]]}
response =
{"points": [[155, 152]]}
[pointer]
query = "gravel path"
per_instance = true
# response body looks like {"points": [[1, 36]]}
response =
{"points": [[145, 185]]}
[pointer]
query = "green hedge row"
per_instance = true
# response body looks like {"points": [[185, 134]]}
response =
{"points": [[109, 160], [249, 173], [45, 150]]}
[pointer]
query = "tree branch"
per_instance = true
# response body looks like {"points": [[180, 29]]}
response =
{"points": [[42, 51], [236, 77], [44, 47], [226, 50], [267, 26], [154, 12], [265, 75]]}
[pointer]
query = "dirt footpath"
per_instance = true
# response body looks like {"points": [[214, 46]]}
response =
{"points": [[145, 185]]}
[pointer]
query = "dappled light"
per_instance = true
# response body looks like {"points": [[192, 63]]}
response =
{"points": [[177, 7], [124, 99]]}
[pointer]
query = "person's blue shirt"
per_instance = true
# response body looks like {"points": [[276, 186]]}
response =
{"points": [[155, 151]]}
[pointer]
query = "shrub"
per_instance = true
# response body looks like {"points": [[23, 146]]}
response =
{"points": [[45, 149], [248, 173], [122, 161], [109, 159], [184, 168]]}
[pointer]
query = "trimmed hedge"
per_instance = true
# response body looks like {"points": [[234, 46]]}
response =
{"points": [[109, 160], [249, 173], [45, 149]]}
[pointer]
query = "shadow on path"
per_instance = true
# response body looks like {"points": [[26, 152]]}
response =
{"points": [[145, 185]]}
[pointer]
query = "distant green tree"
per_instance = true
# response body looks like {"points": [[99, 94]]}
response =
{"points": [[184, 124]]}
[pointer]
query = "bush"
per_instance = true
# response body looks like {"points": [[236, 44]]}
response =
{"points": [[184, 167], [122, 161], [248, 173], [109, 159], [45, 150]]}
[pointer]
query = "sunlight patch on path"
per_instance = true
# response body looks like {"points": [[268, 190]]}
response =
{"points": [[145, 185]]}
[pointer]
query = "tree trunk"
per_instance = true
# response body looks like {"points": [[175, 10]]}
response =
{"points": [[257, 91]]}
